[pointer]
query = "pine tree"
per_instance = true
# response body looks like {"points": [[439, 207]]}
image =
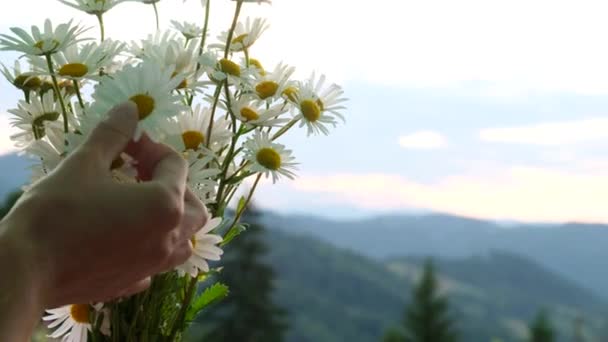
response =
{"points": [[541, 329], [427, 318], [248, 314]]}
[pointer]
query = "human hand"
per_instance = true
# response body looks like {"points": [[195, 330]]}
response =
{"points": [[83, 237]]}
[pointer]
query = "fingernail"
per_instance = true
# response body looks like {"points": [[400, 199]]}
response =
{"points": [[125, 109]]}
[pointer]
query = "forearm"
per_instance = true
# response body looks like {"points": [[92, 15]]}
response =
{"points": [[21, 305]]}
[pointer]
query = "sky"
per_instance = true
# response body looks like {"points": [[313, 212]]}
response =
{"points": [[483, 108]]}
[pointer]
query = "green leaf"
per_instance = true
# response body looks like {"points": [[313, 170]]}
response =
{"points": [[211, 295], [235, 231], [242, 203]]}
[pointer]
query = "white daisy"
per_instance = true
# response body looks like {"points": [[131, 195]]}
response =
{"points": [[244, 36], [201, 174], [255, 113], [269, 158], [95, 7], [189, 130], [219, 69], [270, 86], [42, 43], [153, 41], [318, 107], [150, 87], [73, 322], [77, 62], [188, 30], [49, 152], [40, 114], [204, 247], [23, 80]]}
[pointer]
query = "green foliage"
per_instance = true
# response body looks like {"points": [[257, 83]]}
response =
{"points": [[427, 318], [541, 329], [210, 296], [248, 313]]}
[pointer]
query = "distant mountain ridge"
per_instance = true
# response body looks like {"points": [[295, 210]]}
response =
{"points": [[577, 251], [334, 294]]}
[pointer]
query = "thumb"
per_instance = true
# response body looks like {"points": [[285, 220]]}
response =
{"points": [[112, 135]]}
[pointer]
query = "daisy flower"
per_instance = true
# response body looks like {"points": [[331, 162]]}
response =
{"points": [[219, 69], [41, 43], [269, 158], [48, 153], [95, 7], [26, 81], [319, 107], [204, 247], [152, 42], [182, 58], [255, 113], [244, 36], [271, 85], [188, 30], [149, 87], [189, 130], [72, 322], [77, 62], [38, 115], [201, 175]]}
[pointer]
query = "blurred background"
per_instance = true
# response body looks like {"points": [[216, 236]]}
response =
{"points": [[476, 135]]}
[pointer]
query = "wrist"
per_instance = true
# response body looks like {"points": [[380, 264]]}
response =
{"points": [[21, 296]]}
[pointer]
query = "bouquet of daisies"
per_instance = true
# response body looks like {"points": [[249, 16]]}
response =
{"points": [[208, 99]]}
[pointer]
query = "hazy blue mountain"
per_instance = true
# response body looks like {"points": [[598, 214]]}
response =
{"points": [[335, 294], [14, 173], [577, 251]]}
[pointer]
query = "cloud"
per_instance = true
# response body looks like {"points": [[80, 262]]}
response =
{"points": [[551, 133], [423, 140], [516, 193]]}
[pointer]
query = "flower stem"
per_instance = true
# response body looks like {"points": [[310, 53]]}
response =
{"points": [[77, 88], [239, 4], [216, 99], [49, 63], [102, 29], [185, 304], [156, 15], [284, 129], [238, 215]]}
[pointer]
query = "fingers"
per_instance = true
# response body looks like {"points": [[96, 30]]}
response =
{"points": [[159, 163], [112, 135], [137, 287], [195, 215]]}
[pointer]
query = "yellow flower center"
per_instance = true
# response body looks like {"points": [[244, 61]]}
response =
{"points": [[193, 139], [80, 313], [241, 40], [256, 63], [321, 104], [311, 110], [230, 67], [183, 84], [269, 158], [40, 44], [145, 105], [266, 89], [73, 70], [68, 86], [25, 82], [291, 93], [38, 123], [249, 114]]}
